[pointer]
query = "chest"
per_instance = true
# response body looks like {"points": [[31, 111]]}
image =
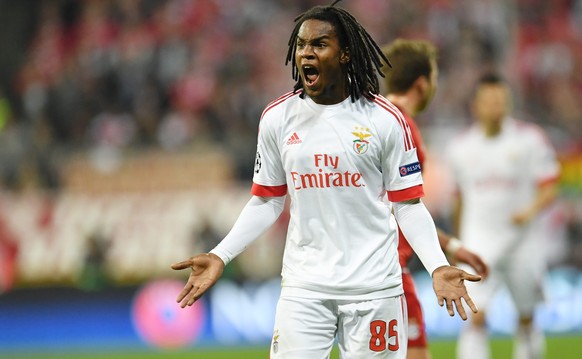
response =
{"points": [[495, 161], [326, 142]]}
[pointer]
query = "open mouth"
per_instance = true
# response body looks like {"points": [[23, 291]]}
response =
{"points": [[310, 74]]}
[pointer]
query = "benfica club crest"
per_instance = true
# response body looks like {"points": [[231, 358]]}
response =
{"points": [[360, 144], [276, 341]]}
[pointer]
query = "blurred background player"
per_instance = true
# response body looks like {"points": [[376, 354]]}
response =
{"points": [[506, 173], [410, 86], [335, 143]]}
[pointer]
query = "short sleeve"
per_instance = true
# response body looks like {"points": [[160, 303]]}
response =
{"points": [[269, 175], [544, 164], [400, 165]]}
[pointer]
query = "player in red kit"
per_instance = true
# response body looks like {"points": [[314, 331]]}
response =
{"points": [[411, 86]]}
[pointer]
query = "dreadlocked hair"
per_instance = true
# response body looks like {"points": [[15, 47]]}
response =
{"points": [[366, 57]]}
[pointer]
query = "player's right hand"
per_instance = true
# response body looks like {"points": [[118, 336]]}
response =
{"points": [[206, 270]]}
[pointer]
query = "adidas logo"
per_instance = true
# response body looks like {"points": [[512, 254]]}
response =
{"points": [[294, 139]]}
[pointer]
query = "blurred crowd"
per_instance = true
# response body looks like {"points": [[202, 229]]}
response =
{"points": [[111, 76], [120, 74]]}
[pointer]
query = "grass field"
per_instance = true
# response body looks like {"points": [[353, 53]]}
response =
{"points": [[566, 347]]}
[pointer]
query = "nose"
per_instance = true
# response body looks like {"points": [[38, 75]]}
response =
{"points": [[306, 52]]}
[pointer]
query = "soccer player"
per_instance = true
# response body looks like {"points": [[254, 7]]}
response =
{"points": [[506, 172], [345, 156], [410, 87]]}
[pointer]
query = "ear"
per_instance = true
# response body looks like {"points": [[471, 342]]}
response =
{"points": [[345, 56], [422, 84]]}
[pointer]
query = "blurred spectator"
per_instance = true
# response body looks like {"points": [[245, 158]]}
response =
{"points": [[166, 62], [28, 157]]}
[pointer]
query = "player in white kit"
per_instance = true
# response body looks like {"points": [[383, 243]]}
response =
{"points": [[343, 154], [506, 172]]}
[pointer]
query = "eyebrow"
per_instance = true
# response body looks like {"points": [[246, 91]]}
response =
{"points": [[323, 37]]}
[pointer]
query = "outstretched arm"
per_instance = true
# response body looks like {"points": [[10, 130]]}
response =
{"points": [[448, 282], [257, 216]]}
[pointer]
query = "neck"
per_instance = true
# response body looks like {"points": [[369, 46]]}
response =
{"points": [[407, 102], [332, 94], [492, 129]]}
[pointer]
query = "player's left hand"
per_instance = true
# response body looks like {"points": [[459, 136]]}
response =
{"points": [[449, 287]]}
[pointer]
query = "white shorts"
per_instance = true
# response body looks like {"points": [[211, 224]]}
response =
{"points": [[522, 271], [306, 328]]}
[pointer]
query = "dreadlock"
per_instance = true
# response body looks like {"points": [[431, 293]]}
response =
{"points": [[366, 57]]}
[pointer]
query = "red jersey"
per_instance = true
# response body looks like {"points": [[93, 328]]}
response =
{"points": [[404, 249]]}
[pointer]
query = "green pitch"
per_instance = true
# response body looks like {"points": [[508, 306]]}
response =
{"points": [[567, 347]]}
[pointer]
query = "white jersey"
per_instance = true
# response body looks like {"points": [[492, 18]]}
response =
{"points": [[498, 177], [337, 163]]}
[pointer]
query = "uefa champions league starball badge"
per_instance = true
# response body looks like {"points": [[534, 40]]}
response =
{"points": [[258, 162], [360, 144]]}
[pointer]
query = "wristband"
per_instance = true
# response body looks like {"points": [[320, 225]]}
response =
{"points": [[453, 246]]}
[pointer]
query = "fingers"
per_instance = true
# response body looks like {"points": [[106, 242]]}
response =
{"points": [[479, 266], [190, 298], [470, 277], [460, 309], [481, 270], [182, 265], [191, 293], [205, 271], [187, 288], [450, 307], [470, 303], [459, 306]]}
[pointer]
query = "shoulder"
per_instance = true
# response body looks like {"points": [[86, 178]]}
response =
{"points": [[280, 103], [530, 131], [386, 108], [387, 115]]}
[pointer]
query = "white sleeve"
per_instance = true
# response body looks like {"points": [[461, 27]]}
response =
{"points": [[400, 166], [544, 165], [257, 216], [419, 229], [269, 169]]}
